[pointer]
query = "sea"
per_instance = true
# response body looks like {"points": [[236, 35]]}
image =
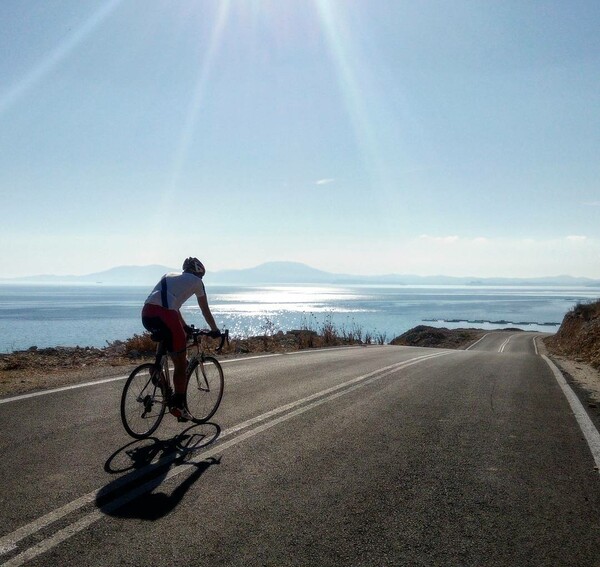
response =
{"points": [[95, 315]]}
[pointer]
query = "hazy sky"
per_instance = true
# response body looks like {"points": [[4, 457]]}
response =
{"points": [[357, 136]]}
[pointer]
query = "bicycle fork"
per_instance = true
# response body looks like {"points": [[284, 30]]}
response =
{"points": [[201, 383]]}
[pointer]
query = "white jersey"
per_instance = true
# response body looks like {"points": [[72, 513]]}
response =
{"points": [[180, 287]]}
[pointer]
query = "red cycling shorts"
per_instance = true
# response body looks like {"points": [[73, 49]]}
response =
{"points": [[168, 322]]}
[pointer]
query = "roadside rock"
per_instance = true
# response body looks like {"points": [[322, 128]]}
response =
{"points": [[425, 336], [578, 337]]}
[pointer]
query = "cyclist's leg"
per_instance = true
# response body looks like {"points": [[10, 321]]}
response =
{"points": [[178, 406], [175, 341], [170, 325], [177, 348], [160, 331], [178, 354], [179, 363]]}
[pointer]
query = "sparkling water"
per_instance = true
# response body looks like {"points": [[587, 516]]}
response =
{"points": [[91, 315]]}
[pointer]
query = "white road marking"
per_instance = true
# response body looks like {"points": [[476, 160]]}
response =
{"points": [[7, 549], [583, 419], [505, 344], [61, 389], [9, 541], [117, 378], [477, 342]]}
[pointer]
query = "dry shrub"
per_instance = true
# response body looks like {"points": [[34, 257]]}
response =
{"points": [[329, 332], [140, 345]]}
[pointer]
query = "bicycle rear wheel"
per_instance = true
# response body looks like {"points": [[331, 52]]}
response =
{"points": [[204, 389], [142, 402]]}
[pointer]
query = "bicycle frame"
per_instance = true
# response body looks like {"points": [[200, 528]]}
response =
{"points": [[162, 359], [197, 360], [198, 344]]}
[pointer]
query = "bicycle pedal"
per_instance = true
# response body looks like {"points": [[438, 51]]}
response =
{"points": [[182, 419]]}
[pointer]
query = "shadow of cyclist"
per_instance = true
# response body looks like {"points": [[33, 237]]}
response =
{"points": [[149, 462], [155, 505]]}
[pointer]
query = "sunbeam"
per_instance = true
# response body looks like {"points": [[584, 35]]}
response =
{"points": [[191, 121], [48, 63], [346, 59]]}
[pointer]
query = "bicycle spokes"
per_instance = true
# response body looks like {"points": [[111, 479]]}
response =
{"points": [[142, 401], [201, 378], [205, 388]]}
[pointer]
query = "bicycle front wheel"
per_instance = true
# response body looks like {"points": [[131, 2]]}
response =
{"points": [[142, 402], [204, 389]]}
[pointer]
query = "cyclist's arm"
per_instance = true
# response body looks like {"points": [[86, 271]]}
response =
{"points": [[203, 304]]}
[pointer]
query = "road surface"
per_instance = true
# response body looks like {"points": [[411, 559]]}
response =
{"points": [[355, 456]]}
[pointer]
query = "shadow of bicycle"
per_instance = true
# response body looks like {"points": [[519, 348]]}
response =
{"points": [[147, 464]]}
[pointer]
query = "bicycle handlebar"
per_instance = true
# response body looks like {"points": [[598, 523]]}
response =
{"points": [[224, 336]]}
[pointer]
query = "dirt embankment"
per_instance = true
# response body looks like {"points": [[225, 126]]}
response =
{"points": [[576, 348], [579, 335], [38, 369]]}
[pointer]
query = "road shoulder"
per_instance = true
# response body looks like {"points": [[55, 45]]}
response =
{"points": [[581, 374]]}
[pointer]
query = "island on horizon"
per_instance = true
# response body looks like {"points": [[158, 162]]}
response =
{"points": [[292, 273]]}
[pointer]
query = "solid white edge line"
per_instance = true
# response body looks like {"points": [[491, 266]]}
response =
{"points": [[583, 419], [116, 378], [61, 389], [8, 542]]}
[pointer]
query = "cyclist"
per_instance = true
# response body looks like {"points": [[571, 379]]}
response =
{"points": [[161, 313]]}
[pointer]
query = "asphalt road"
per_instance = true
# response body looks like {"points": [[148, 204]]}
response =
{"points": [[360, 456]]}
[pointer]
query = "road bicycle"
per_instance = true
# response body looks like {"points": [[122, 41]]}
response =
{"points": [[149, 388]]}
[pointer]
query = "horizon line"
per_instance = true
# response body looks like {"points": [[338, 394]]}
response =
{"points": [[302, 264]]}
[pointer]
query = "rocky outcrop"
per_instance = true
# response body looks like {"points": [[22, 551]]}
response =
{"points": [[579, 335], [425, 336]]}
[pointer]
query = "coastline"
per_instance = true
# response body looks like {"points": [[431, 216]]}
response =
{"points": [[47, 316], [37, 369]]}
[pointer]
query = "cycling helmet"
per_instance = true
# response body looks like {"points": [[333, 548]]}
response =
{"points": [[194, 266]]}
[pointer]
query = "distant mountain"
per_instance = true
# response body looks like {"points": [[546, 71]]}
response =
{"points": [[273, 273], [295, 272], [121, 275], [291, 273]]}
